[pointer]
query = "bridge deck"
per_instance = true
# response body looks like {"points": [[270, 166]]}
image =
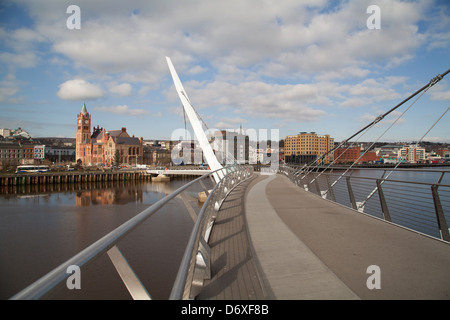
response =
{"points": [[300, 246], [233, 269]]}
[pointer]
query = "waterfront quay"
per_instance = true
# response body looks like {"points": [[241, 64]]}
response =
{"points": [[71, 177], [58, 177]]}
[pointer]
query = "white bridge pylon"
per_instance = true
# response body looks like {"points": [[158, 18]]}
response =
{"points": [[196, 125]]}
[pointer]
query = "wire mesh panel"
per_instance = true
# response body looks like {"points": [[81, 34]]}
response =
{"points": [[341, 193], [411, 205], [395, 196], [444, 195]]}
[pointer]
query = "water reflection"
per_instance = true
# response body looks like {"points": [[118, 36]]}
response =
{"points": [[42, 226], [91, 193], [108, 197]]}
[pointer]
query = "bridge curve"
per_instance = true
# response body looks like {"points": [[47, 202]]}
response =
{"points": [[301, 246]]}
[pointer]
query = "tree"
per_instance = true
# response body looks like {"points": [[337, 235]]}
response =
{"points": [[78, 165], [116, 158]]}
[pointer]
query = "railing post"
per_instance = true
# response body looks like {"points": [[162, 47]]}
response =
{"points": [[188, 206], [204, 188], [330, 189], [384, 207], [350, 194], [129, 278], [316, 185], [443, 227], [202, 269]]}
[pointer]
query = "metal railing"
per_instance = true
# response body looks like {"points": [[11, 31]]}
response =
{"points": [[423, 206], [195, 266]]}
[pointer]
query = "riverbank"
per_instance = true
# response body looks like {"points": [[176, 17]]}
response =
{"points": [[379, 166], [71, 177]]}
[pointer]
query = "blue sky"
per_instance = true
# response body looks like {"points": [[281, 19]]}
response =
{"points": [[288, 65]]}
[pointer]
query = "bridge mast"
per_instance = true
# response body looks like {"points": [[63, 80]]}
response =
{"points": [[193, 119]]}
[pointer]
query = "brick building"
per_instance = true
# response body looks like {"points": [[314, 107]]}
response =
{"points": [[350, 155], [105, 147]]}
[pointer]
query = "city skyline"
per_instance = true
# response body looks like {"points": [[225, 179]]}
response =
{"points": [[313, 66]]}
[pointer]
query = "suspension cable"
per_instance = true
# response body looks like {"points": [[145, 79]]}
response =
{"points": [[392, 124], [432, 126], [334, 160], [361, 205], [431, 83]]}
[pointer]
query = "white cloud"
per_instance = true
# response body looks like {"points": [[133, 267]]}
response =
{"points": [[78, 90], [22, 59], [394, 118], [372, 88], [259, 99], [288, 60], [21, 44], [275, 38], [440, 91], [196, 70], [123, 109], [441, 95], [123, 89], [354, 103], [230, 123], [7, 92]]}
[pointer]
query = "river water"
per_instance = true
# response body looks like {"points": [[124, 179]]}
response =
{"points": [[42, 227]]}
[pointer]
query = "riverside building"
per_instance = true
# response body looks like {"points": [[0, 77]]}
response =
{"points": [[102, 147], [307, 147]]}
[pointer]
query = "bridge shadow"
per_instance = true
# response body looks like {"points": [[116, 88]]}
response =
{"points": [[233, 271], [227, 282], [227, 238]]}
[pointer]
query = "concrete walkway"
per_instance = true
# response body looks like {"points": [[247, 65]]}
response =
{"points": [[288, 269], [309, 248]]}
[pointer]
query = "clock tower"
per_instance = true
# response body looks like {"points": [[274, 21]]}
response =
{"points": [[83, 130]]}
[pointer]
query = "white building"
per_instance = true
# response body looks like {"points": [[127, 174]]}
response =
{"points": [[39, 152], [5, 132], [412, 154], [187, 152], [231, 147], [256, 155], [15, 133]]}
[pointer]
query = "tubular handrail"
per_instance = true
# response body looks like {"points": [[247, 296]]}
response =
{"points": [[180, 288], [49, 281], [180, 280], [392, 180], [376, 169]]}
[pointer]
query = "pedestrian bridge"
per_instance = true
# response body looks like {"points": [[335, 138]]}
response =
{"points": [[287, 235], [260, 236], [278, 241]]}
